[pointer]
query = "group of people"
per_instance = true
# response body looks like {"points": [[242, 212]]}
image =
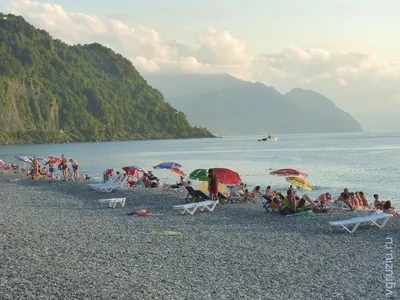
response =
{"points": [[357, 200], [35, 171], [148, 179], [354, 200]]}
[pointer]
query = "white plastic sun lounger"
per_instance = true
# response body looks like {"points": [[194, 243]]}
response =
{"points": [[357, 221], [111, 180], [122, 184], [192, 207], [112, 202]]}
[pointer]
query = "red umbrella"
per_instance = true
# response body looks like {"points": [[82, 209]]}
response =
{"points": [[55, 159], [288, 172], [131, 171], [178, 171], [227, 176]]}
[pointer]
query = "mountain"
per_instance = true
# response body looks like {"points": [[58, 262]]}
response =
{"points": [[52, 92], [229, 106]]}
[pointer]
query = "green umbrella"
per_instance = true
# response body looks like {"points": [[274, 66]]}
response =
{"points": [[199, 174]]}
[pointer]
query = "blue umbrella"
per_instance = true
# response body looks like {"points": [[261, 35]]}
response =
{"points": [[168, 165]]}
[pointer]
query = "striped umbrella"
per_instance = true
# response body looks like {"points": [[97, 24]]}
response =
{"points": [[300, 182]]}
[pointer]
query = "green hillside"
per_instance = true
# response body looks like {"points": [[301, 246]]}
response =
{"points": [[52, 92]]}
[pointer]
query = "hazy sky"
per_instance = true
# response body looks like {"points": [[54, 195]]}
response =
{"points": [[346, 50]]}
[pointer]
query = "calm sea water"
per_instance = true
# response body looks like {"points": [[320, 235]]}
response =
{"points": [[367, 162]]}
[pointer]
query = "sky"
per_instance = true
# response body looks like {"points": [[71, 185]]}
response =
{"points": [[348, 50]]}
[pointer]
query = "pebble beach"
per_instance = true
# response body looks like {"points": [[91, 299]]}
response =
{"points": [[57, 243]]}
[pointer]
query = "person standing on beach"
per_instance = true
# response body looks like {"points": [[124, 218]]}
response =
{"points": [[64, 166], [52, 170], [212, 184], [75, 167]]}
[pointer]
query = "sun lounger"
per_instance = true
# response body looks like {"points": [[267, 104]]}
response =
{"points": [[338, 205], [112, 202], [195, 195], [191, 208], [111, 180], [120, 185], [357, 221]]}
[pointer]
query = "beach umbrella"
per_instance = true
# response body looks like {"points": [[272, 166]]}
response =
{"points": [[37, 158], [24, 159], [134, 171], [132, 168], [168, 165], [178, 171], [227, 176], [55, 159], [300, 182], [199, 174], [2, 162], [288, 172]]}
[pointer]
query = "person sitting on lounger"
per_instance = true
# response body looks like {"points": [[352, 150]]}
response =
{"points": [[345, 192], [389, 209], [256, 192], [290, 190], [269, 193], [378, 203], [346, 200], [323, 198], [237, 190], [363, 199]]}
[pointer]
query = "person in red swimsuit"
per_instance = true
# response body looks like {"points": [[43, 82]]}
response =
{"points": [[212, 184]]}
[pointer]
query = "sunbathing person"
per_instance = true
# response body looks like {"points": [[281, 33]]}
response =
{"points": [[237, 190], [363, 199], [323, 198], [377, 202], [342, 195], [347, 200], [389, 209]]}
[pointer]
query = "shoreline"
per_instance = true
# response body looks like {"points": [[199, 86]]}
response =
{"points": [[23, 143], [58, 244]]}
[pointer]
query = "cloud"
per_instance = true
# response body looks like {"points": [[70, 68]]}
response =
{"points": [[353, 79], [356, 8]]}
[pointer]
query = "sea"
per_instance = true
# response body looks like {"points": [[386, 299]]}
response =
{"points": [[367, 162]]}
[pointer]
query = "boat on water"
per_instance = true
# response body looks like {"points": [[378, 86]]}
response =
{"points": [[269, 139]]}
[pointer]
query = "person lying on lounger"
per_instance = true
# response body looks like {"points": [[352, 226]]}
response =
{"points": [[389, 209]]}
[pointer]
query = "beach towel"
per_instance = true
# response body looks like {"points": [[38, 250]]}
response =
{"points": [[167, 233], [140, 213]]}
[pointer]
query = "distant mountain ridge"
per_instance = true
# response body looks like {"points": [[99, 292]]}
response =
{"points": [[230, 106]]}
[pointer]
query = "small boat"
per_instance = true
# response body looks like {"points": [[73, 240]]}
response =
{"points": [[269, 139]]}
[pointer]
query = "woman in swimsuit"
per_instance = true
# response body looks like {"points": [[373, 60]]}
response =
{"points": [[75, 166]]}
